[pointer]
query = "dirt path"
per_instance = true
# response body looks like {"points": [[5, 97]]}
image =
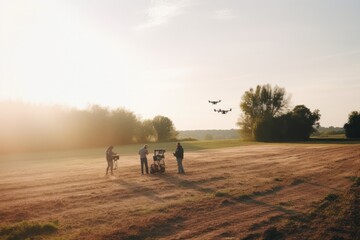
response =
{"points": [[230, 193]]}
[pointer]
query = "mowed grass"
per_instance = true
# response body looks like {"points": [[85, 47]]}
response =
{"points": [[132, 149], [189, 146], [64, 156], [70, 186]]}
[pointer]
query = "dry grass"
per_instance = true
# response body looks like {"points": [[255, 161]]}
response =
{"points": [[246, 192]]}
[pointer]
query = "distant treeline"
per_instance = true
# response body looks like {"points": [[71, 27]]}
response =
{"points": [[266, 116], [209, 134], [28, 127], [329, 131]]}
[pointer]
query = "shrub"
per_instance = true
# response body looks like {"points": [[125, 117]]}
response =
{"points": [[352, 127]]}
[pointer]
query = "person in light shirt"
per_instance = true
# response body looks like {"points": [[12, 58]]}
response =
{"points": [[143, 159]]}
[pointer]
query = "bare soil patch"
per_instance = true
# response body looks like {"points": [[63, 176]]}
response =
{"points": [[270, 191]]}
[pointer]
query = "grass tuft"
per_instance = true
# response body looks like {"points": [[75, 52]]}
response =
{"points": [[331, 197], [297, 182], [25, 230], [243, 198], [223, 193]]}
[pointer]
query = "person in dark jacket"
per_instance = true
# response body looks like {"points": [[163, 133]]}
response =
{"points": [[179, 154]]}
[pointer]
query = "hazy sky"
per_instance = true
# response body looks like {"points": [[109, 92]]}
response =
{"points": [[170, 57]]}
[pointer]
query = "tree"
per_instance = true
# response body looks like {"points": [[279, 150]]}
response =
{"points": [[263, 101], [303, 123], [268, 129], [124, 124], [146, 131], [295, 125], [164, 128], [352, 127]]}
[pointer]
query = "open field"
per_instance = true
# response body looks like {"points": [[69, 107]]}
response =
{"points": [[255, 191]]}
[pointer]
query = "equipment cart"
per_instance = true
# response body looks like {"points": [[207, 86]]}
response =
{"points": [[159, 161]]}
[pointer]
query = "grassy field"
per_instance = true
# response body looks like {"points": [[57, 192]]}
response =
{"points": [[231, 190], [65, 156], [131, 149], [189, 146]]}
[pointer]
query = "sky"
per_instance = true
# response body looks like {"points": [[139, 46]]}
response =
{"points": [[162, 57]]}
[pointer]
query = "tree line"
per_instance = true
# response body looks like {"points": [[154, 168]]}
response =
{"points": [[28, 127], [266, 117]]}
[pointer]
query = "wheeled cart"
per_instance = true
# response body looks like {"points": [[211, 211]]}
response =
{"points": [[159, 161]]}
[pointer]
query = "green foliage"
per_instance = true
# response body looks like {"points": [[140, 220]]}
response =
{"points": [[296, 125], [352, 127], [264, 119], [123, 126], [301, 123], [164, 128], [259, 103], [145, 132], [27, 230], [267, 129]]}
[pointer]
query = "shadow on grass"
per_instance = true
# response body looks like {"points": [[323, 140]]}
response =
{"points": [[177, 181], [251, 198], [140, 189], [160, 227], [323, 186], [298, 181]]}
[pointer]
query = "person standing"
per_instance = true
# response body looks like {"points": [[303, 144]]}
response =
{"points": [[179, 154], [143, 159], [109, 159]]}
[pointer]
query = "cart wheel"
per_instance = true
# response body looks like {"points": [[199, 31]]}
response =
{"points": [[162, 169], [152, 169]]}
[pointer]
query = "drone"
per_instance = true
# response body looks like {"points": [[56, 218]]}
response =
{"points": [[223, 111], [214, 102]]}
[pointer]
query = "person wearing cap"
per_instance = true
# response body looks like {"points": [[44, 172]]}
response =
{"points": [[143, 159], [109, 159]]}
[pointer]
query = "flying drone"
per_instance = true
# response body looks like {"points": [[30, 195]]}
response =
{"points": [[223, 111], [214, 102]]}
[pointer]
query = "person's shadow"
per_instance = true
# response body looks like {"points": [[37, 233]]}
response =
{"points": [[139, 189]]}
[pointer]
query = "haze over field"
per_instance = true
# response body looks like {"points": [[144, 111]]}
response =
{"points": [[170, 57]]}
